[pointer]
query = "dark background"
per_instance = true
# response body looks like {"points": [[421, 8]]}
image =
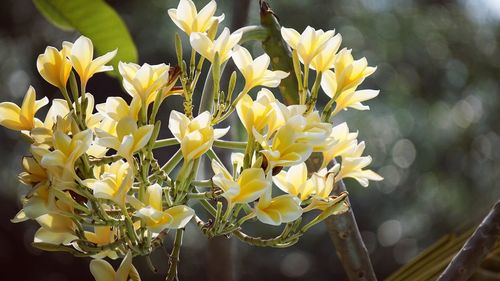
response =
{"points": [[433, 132]]}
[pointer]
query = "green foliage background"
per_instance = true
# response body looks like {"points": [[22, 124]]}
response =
{"points": [[433, 132]]}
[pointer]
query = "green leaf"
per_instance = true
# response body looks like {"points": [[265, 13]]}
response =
{"points": [[94, 19]]}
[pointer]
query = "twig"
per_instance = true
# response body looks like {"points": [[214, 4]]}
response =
{"points": [[466, 261], [174, 256]]}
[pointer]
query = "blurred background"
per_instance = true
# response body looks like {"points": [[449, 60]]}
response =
{"points": [[433, 132]]}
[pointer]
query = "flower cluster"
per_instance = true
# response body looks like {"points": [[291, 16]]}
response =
{"points": [[97, 189]]}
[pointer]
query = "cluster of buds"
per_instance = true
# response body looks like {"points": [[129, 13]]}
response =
{"points": [[97, 189]]}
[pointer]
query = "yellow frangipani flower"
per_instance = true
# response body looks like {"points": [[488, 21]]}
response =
{"points": [[103, 235], [156, 219], [22, 118], [103, 271], [308, 44], [353, 164], [128, 139], [343, 143], [295, 182], [195, 136], [116, 108], [249, 185], [261, 113], [187, 18], [114, 183], [285, 149], [350, 73], [144, 81], [349, 97], [325, 59], [277, 210], [56, 228], [61, 161], [54, 65], [255, 71], [82, 59], [223, 45]]}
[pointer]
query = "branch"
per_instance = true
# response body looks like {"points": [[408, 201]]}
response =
{"points": [[466, 261], [350, 248], [281, 56]]}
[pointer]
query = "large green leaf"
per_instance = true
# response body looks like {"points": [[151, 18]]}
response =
{"points": [[94, 19]]}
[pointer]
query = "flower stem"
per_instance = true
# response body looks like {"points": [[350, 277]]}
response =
{"points": [[174, 256]]}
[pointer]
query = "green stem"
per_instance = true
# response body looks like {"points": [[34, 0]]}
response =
{"points": [[174, 256], [236, 145], [314, 92], [165, 142]]}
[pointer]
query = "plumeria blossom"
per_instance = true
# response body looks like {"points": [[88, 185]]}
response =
{"points": [[56, 228], [255, 71], [294, 142], [103, 271], [295, 182], [285, 149], [103, 235], [223, 45], [350, 73], [189, 20], [54, 65], [82, 59], [98, 189], [326, 57], [144, 81], [22, 118], [114, 183], [195, 136], [277, 210], [67, 150], [343, 143], [156, 219], [261, 113], [353, 164], [249, 185], [129, 137], [349, 98], [308, 44]]}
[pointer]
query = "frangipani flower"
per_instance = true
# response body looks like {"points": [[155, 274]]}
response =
{"points": [[353, 164], [144, 81], [156, 219], [195, 136], [114, 183], [295, 182], [82, 59], [345, 98], [187, 18], [54, 65], [343, 143], [255, 71], [61, 161], [325, 59], [223, 45], [103, 271], [102, 235], [129, 137], [285, 149], [249, 185], [22, 118], [277, 210], [116, 109], [308, 44], [261, 113], [350, 73], [56, 229]]}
